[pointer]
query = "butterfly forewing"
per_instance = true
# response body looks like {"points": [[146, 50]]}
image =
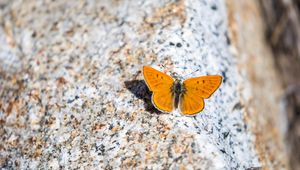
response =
{"points": [[196, 89], [203, 86], [156, 80], [160, 84]]}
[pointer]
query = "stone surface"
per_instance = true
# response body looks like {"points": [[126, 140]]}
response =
{"points": [[72, 94], [264, 104]]}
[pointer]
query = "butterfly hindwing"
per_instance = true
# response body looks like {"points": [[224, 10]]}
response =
{"points": [[163, 101], [190, 104], [197, 89], [160, 84]]}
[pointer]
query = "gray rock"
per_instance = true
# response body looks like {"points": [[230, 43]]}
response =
{"points": [[73, 96]]}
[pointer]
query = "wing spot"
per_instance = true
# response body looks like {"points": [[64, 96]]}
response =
{"points": [[157, 75], [197, 82], [203, 81], [162, 77]]}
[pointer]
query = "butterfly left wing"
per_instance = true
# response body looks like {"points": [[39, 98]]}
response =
{"points": [[196, 89], [160, 84]]}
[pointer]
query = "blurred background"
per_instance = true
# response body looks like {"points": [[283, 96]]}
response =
{"points": [[283, 33]]}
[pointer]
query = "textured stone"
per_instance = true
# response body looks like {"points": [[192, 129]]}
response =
{"points": [[72, 93]]}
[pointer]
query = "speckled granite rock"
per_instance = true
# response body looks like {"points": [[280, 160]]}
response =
{"points": [[72, 94]]}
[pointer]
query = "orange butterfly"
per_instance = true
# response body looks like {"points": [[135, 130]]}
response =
{"points": [[188, 96]]}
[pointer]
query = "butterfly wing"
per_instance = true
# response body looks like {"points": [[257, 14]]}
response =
{"points": [[197, 89], [160, 84]]}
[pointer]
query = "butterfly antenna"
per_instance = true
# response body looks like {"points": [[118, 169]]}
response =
{"points": [[161, 66], [192, 72]]}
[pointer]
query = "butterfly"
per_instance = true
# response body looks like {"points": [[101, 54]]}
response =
{"points": [[169, 93]]}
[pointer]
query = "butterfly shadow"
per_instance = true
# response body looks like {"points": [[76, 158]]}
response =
{"points": [[141, 91]]}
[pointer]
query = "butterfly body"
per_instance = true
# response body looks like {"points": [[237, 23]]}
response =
{"points": [[187, 95], [176, 90], [177, 87]]}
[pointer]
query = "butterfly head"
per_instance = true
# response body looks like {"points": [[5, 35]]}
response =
{"points": [[178, 88], [176, 76]]}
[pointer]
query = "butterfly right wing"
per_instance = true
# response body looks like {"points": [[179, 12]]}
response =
{"points": [[190, 104], [160, 84], [196, 89]]}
